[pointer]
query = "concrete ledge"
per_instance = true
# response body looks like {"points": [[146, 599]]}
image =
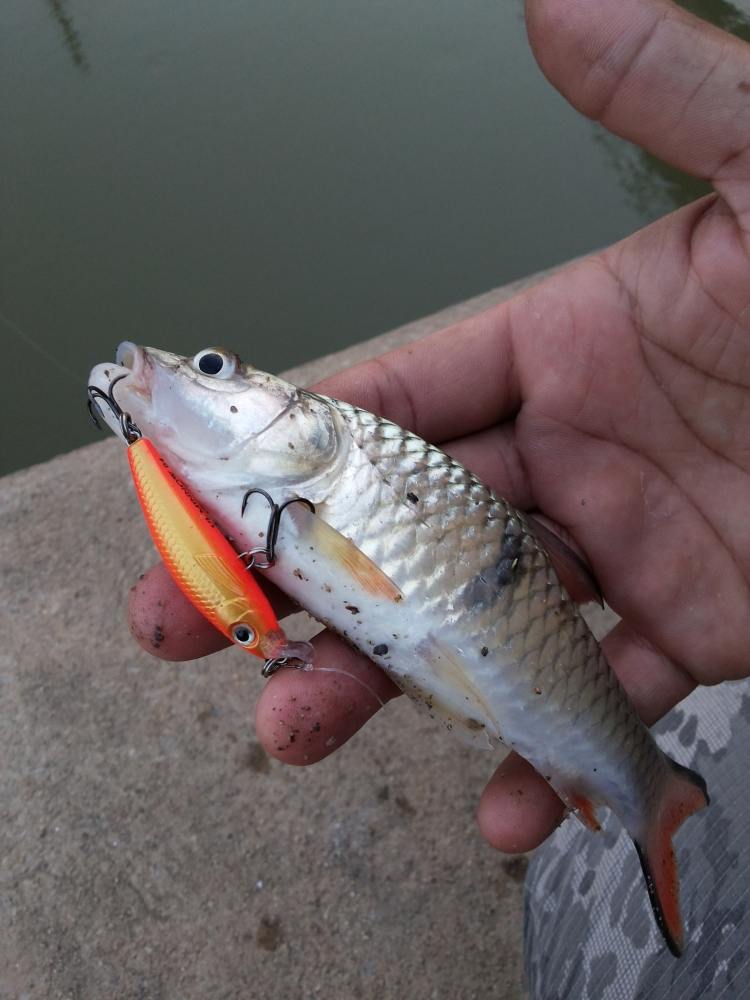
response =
{"points": [[150, 849], [315, 370]]}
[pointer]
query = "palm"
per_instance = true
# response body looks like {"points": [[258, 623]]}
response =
{"points": [[612, 397], [633, 435]]}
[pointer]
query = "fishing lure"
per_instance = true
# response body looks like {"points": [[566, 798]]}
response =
{"points": [[200, 559]]}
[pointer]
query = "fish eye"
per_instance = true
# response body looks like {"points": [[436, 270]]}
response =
{"points": [[244, 635], [214, 362]]}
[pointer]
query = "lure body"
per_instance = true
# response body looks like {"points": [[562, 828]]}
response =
{"points": [[201, 560], [442, 583]]}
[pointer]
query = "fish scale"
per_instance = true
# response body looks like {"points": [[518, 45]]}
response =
{"points": [[463, 517], [531, 618]]}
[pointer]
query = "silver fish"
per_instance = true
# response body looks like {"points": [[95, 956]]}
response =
{"points": [[418, 564]]}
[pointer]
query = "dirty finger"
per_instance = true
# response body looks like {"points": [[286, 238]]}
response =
{"points": [[303, 716]]}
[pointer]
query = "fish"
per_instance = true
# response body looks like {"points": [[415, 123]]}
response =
{"points": [[411, 559]]}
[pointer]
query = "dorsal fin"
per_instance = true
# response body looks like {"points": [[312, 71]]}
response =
{"points": [[574, 572]]}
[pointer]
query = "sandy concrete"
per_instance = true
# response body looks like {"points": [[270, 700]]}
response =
{"points": [[150, 849]]}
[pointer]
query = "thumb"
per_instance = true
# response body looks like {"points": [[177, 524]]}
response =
{"points": [[657, 75]]}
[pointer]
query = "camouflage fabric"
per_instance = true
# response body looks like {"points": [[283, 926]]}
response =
{"points": [[589, 932]]}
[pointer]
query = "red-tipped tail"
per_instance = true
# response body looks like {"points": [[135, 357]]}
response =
{"points": [[685, 793]]}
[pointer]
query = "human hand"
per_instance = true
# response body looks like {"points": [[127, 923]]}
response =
{"points": [[614, 397]]}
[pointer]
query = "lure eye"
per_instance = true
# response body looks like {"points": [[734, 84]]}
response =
{"points": [[243, 635], [215, 363]]}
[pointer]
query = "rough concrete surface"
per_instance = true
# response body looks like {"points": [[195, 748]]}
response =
{"points": [[150, 849]]}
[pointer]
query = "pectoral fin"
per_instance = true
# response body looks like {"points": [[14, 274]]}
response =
{"points": [[341, 550]]}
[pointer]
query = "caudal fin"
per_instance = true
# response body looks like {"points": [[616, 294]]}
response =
{"points": [[684, 793]]}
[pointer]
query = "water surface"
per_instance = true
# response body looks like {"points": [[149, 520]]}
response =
{"points": [[282, 177]]}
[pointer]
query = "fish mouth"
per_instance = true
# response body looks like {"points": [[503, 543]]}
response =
{"points": [[126, 382], [130, 356]]}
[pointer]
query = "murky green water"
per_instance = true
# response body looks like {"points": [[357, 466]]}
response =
{"points": [[281, 176]]}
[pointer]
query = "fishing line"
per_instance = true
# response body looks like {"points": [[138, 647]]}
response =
{"points": [[30, 342], [345, 673]]}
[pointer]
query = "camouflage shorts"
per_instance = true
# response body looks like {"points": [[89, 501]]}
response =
{"points": [[589, 932]]}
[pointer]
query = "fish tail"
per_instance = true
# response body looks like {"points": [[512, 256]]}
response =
{"points": [[684, 792]]}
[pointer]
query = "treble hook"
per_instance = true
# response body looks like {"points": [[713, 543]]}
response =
{"points": [[268, 552], [271, 666], [130, 430]]}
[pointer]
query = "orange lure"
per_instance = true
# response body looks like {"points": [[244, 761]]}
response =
{"points": [[202, 562]]}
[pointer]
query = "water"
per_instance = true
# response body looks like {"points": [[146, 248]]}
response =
{"points": [[285, 178]]}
